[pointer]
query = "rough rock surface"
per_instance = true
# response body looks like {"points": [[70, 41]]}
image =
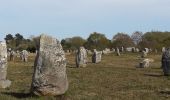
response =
{"points": [[166, 62], [145, 63], [96, 57], [117, 51], [81, 57], [24, 55], [3, 66], [49, 76]]}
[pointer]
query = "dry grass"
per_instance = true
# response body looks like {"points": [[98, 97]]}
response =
{"points": [[115, 78]]}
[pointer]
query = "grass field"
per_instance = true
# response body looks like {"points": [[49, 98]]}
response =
{"points": [[115, 78]]}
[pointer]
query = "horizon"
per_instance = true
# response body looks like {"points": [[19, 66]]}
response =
{"points": [[2, 36], [66, 19]]}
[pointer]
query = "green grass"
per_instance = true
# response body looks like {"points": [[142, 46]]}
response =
{"points": [[115, 78]]}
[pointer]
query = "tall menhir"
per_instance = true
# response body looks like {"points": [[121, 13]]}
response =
{"points": [[49, 76], [4, 83]]}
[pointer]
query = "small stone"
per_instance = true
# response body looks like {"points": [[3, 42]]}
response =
{"points": [[96, 57], [81, 57]]}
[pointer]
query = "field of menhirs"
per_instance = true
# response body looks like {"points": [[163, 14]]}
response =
{"points": [[114, 78]]}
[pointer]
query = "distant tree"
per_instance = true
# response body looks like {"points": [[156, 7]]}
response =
{"points": [[97, 41], [19, 36], [9, 37], [155, 40], [66, 43], [137, 37], [19, 39], [167, 42], [77, 42], [72, 43], [122, 40]]}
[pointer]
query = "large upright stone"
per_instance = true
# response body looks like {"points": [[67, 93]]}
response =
{"points": [[166, 62], [24, 55], [117, 51], [97, 56], [81, 57], [49, 76], [3, 66]]}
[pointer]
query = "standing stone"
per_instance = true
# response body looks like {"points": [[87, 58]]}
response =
{"points": [[144, 54], [122, 49], [146, 50], [133, 50], [145, 63], [163, 49], [118, 51], [166, 62], [89, 52], [113, 50], [137, 50], [24, 55], [156, 51], [12, 55], [81, 57], [49, 76], [96, 57], [3, 66]]}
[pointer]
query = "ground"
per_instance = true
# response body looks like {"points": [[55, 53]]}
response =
{"points": [[115, 78]]}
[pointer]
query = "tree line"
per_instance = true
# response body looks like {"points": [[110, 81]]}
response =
{"points": [[153, 40]]}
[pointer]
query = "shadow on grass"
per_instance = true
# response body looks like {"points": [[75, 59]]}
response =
{"points": [[165, 92], [154, 75], [29, 95], [156, 68], [18, 95]]}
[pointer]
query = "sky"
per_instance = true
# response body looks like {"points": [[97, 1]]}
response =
{"points": [[68, 18]]}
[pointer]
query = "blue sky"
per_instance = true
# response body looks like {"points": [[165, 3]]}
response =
{"points": [[68, 18]]}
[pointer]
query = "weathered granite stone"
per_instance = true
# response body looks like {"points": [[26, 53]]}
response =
{"points": [[118, 51], [96, 57], [144, 54], [145, 63], [49, 76], [81, 57], [146, 50], [113, 50], [89, 52], [24, 55], [137, 50], [122, 49], [133, 49], [12, 55], [156, 51], [163, 49], [3, 66], [166, 62]]}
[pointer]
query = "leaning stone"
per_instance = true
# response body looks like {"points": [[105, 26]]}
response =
{"points": [[3, 66], [49, 76]]}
